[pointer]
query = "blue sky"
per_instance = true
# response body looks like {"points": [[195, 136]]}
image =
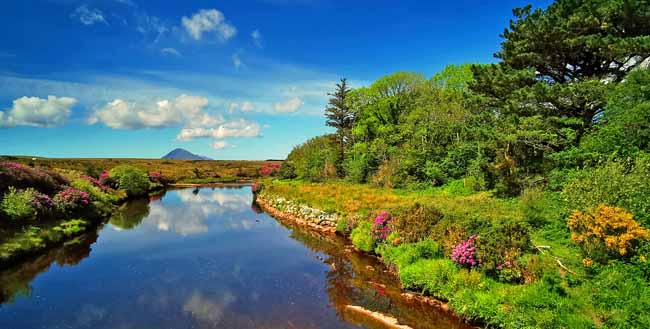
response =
{"points": [[242, 79]]}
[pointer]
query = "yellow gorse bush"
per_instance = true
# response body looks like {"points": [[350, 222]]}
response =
{"points": [[606, 231]]}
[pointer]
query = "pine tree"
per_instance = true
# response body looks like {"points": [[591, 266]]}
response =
{"points": [[339, 114]]}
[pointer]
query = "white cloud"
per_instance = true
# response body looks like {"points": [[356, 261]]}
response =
{"points": [[236, 128], [170, 52], [208, 20], [184, 110], [88, 16], [38, 112], [290, 106], [257, 38], [236, 61], [218, 145], [245, 106]]}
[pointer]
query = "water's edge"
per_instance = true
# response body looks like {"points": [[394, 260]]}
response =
{"points": [[328, 229]]}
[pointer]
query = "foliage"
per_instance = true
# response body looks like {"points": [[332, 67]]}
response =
{"points": [[381, 226], [18, 205], [315, 159], [362, 237], [465, 253], [21, 176], [270, 168], [408, 253], [133, 180], [71, 200], [417, 222], [617, 183], [606, 232], [287, 170]]}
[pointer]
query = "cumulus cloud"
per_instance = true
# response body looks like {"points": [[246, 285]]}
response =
{"points": [[257, 38], [184, 110], [88, 16], [170, 52], [218, 145], [37, 112], [236, 128], [290, 106], [208, 20]]}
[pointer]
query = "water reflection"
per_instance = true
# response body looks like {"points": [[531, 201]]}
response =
{"points": [[203, 258], [15, 281]]}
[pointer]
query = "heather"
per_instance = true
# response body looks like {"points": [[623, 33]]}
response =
{"points": [[36, 212]]}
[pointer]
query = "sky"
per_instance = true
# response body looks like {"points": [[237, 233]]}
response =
{"points": [[245, 79]]}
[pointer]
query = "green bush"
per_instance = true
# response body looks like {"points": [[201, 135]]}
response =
{"points": [[362, 237], [409, 253], [134, 181], [417, 222], [95, 192], [540, 208], [430, 276], [616, 183], [17, 205]]}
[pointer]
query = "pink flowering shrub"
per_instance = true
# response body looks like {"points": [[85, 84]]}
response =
{"points": [[270, 168], [14, 165], [464, 253], [96, 182], [71, 199], [42, 203], [23, 177], [381, 226]]}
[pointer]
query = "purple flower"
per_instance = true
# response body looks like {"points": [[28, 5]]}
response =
{"points": [[464, 254]]}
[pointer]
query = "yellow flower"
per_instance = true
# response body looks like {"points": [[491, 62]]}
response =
{"points": [[642, 258], [587, 262]]}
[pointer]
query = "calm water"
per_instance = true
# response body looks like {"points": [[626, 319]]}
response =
{"points": [[203, 258]]}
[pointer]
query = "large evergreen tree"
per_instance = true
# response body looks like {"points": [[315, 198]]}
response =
{"points": [[338, 112]]}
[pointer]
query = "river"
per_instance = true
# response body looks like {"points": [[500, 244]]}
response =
{"points": [[204, 258]]}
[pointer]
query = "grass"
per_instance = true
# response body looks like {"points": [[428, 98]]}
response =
{"points": [[613, 295]]}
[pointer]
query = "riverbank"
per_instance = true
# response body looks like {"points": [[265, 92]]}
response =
{"points": [[544, 284]]}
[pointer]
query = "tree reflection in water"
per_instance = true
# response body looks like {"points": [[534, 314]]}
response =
{"points": [[358, 279], [15, 281]]}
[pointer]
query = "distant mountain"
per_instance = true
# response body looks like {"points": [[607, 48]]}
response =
{"points": [[182, 154]]}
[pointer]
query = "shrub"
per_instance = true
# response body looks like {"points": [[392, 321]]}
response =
{"points": [[408, 253], [540, 208], [417, 222], [134, 181], [23, 177], [362, 237], [287, 170], [71, 200], [502, 241], [606, 233], [465, 253], [616, 183], [431, 277], [381, 226], [345, 225], [270, 168], [42, 203], [17, 205]]}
